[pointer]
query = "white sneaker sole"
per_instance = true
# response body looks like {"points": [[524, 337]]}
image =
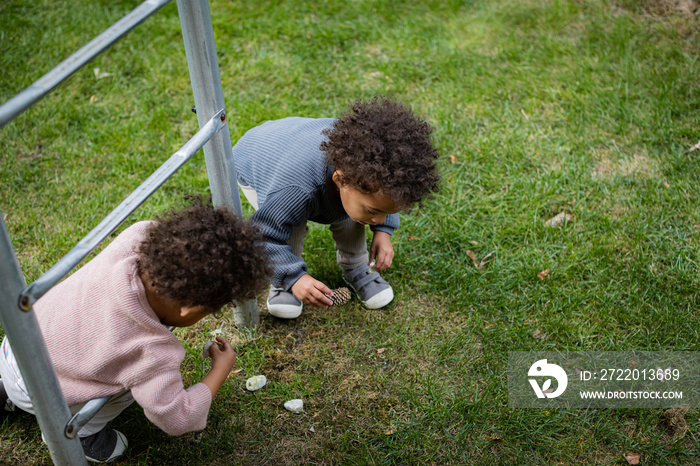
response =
{"points": [[284, 311], [380, 299]]}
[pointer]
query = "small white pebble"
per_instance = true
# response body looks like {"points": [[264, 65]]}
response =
{"points": [[295, 406], [255, 383], [205, 350], [559, 219]]}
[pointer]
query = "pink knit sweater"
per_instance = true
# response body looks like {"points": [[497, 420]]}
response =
{"points": [[103, 337]]}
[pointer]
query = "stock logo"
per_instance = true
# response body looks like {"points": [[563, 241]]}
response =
{"points": [[542, 369]]}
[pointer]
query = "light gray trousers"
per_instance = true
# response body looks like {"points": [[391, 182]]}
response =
{"points": [[348, 235]]}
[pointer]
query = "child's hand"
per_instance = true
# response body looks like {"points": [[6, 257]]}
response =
{"points": [[312, 292], [381, 250], [222, 355], [222, 360]]}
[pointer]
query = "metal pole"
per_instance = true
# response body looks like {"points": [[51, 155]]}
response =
{"points": [[200, 49], [67, 67], [22, 330], [122, 211]]}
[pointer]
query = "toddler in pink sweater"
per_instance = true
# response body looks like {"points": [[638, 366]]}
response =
{"points": [[105, 325]]}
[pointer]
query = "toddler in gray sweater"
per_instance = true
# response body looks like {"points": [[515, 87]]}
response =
{"points": [[361, 169]]}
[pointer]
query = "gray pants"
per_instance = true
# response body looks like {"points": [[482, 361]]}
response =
{"points": [[349, 237]]}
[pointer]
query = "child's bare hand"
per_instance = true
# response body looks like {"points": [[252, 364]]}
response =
{"points": [[312, 292], [222, 355], [381, 250], [222, 360]]}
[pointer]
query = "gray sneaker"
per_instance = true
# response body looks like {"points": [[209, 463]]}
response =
{"points": [[104, 446], [283, 304], [370, 287]]}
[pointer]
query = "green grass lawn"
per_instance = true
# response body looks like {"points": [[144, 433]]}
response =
{"points": [[540, 107]]}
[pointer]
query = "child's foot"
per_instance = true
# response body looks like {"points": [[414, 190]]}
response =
{"points": [[371, 288], [104, 446], [283, 304]]}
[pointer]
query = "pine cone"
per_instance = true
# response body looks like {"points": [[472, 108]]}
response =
{"points": [[340, 296]]}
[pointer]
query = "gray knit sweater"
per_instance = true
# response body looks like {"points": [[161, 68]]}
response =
{"points": [[283, 162]]}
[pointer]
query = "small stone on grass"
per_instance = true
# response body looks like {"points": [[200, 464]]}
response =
{"points": [[255, 383], [295, 406]]}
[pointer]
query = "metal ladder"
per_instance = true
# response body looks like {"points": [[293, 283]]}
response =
{"points": [[16, 299]]}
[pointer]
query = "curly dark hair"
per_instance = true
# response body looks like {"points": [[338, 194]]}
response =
{"points": [[380, 145], [202, 256]]}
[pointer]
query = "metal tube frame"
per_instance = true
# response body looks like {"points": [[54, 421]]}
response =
{"points": [[200, 49], [37, 289], [28, 97], [58, 428], [22, 331], [31, 354], [87, 412]]}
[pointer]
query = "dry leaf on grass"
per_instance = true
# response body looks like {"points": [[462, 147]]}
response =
{"points": [[453, 159], [632, 457], [390, 432], [558, 219], [100, 74], [380, 350], [472, 256], [696, 146], [538, 334], [542, 275], [480, 265]]}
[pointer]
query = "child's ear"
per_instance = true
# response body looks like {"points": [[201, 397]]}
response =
{"points": [[338, 177], [187, 311]]}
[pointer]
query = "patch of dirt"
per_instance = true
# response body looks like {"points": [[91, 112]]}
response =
{"points": [[665, 8], [352, 368], [679, 15], [355, 365], [636, 166], [294, 450], [659, 9], [672, 424]]}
